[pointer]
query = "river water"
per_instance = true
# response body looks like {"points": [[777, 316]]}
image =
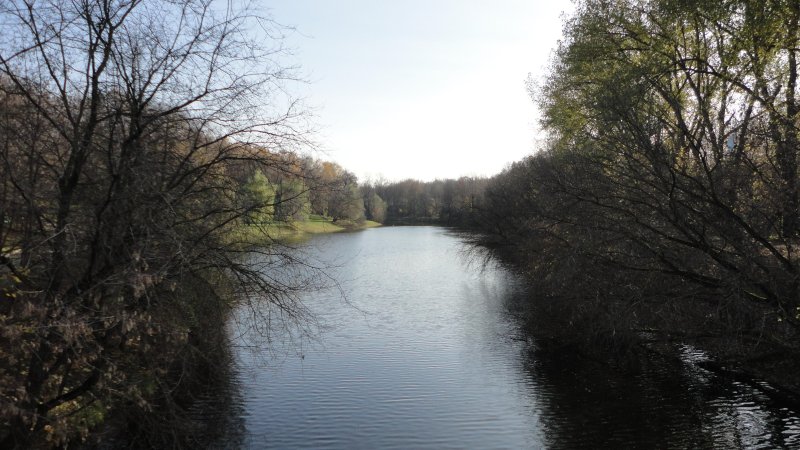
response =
{"points": [[417, 348]]}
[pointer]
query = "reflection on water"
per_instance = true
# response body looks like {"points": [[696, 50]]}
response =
{"points": [[424, 354], [661, 405], [219, 412]]}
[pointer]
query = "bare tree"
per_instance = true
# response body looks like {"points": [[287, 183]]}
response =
{"points": [[120, 121]]}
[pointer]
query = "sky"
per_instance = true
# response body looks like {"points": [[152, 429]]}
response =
{"points": [[422, 89]]}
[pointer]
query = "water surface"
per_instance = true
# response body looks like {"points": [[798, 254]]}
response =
{"points": [[419, 350]]}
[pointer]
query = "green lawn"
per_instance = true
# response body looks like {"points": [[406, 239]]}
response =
{"points": [[317, 226], [295, 231]]}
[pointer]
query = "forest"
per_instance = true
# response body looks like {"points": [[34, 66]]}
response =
{"points": [[667, 198], [143, 163]]}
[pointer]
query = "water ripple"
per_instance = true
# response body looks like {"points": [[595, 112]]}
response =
{"points": [[430, 358]]}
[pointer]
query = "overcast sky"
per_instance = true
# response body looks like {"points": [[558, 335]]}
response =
{"points": [[422, 89]]}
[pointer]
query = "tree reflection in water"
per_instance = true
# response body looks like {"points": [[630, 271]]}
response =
{"points": [[664, 401]]}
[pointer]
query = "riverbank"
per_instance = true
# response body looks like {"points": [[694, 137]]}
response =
{"points": [[299, 230], [594, 310]]}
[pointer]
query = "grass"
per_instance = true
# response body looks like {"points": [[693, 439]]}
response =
{"points": [[297, 231]]}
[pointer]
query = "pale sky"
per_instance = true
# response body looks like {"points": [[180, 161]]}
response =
{"points": [[422, 89]]}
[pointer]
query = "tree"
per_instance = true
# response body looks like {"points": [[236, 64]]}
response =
{"points": [[673, 154], [121, 199], [375, 207], [346, 202], [260, 195], [665, 198], [293, 204], [327, 176]]}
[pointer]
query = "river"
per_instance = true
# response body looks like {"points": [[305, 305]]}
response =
{"points": [[417, 348]]}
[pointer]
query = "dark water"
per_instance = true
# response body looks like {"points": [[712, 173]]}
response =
{"points": [[425, 354]]}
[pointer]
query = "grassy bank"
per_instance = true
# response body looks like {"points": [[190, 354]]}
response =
{"points": [[299, 230]]}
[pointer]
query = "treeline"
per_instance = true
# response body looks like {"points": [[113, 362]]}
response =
{"points": [[666, 201], [409, 202]]}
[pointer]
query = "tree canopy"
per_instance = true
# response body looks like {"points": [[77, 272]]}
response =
{"points": [[670, 174]]}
